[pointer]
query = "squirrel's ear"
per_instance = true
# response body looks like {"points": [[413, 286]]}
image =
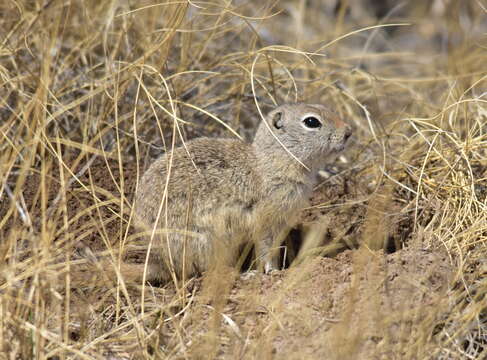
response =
{"points": [[276, 119]]}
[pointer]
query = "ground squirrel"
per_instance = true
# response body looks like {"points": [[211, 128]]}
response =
{"points": [[215, 194]]}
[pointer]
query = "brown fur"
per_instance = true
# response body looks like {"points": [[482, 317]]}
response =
{"points": [[198, 209]]}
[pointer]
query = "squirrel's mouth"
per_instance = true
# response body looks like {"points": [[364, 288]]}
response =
{"points": [[340, 146], [335, 148]]}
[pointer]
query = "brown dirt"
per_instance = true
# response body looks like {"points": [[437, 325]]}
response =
{"points": [[304, 312]]}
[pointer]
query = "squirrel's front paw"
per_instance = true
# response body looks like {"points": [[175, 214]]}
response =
{"points": [[269, 267]]}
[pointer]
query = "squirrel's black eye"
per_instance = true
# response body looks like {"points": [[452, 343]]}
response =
{"points": [[312, 122]]}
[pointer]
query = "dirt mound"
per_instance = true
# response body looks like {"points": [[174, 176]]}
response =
{"points": [[359, 305]]}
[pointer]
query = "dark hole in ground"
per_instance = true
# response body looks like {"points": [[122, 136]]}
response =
{"points": [[390, 245]]}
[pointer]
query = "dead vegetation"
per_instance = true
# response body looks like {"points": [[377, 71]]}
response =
{"points": [[92, 91]]}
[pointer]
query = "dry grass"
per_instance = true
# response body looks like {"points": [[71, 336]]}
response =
{"points": [[92, 91]]}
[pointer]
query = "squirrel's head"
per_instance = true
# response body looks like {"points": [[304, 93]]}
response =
{"points": [[310, 132]]}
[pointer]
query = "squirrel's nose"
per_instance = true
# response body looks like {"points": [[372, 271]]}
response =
{"points": [[347, 132]]}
